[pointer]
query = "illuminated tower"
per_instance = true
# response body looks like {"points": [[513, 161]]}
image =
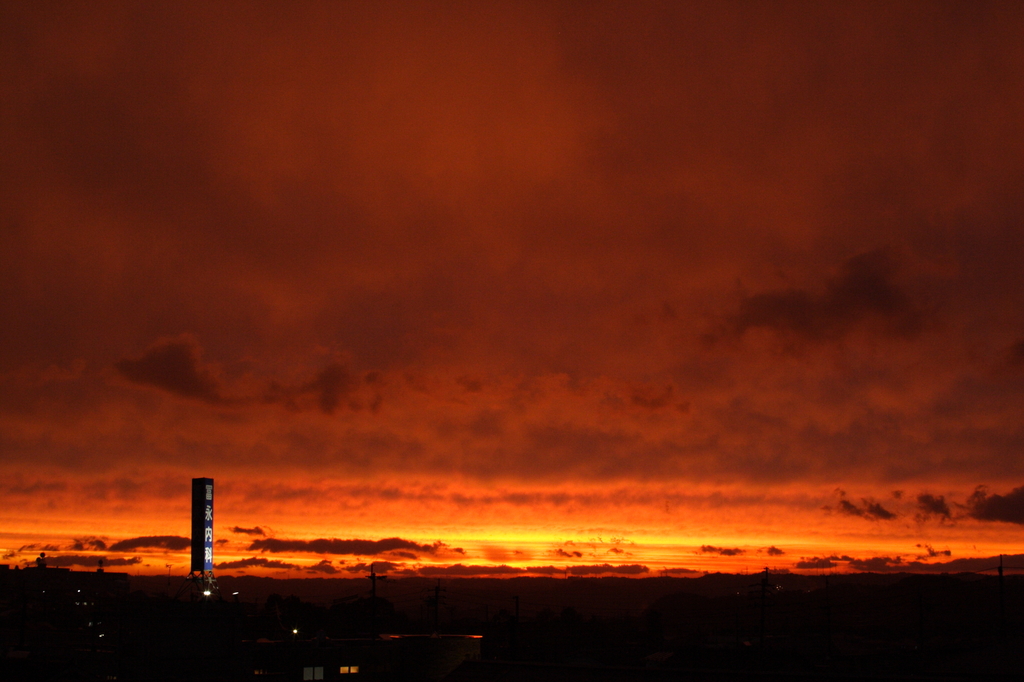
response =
{"points": [[200, 578]]}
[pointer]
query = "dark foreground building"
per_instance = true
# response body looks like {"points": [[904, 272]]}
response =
{"points": [[393, 657], [503, 671], [60, 624], [57, 624]]}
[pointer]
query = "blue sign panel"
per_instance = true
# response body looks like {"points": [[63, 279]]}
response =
{"points": [[202, 524]]}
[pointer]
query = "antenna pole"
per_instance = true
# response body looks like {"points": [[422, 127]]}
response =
{"points": [[437, 606], [515, 631], [828, 623], [373, 602], [764, 599], [1002, 600]]}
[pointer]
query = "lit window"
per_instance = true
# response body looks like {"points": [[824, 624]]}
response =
{"points": [[316, 673], [347, 669], [307, 673]]}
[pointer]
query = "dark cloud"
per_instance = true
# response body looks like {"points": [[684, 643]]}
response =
{"points": [[569, 555], [887, 564], [965, 565], [815, 562], [471, 570], [258, 562], [847, 507], [870, 510], [37, 547], [599, 569], [878, 564], [323, 566], [652, 398], [569, 445], [174, 365], [487, 424], [721, 551], [865, 288], [1016, 353], [90, 561], [471, 384], [355, 547], [34, 489], [544, 570], [876, 511], [333, 387], [822, 562], [88, 543], [679, 571], [464, 570], [931, 552], [991, 507], [378, 567], [168, 542], [933, 505], [256, 530], [774, 551]]}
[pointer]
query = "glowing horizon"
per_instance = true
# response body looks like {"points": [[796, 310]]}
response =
{"points": [[646, 544]]}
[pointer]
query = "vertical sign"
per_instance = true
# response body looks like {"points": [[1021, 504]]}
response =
{"points": [[202, 524]]}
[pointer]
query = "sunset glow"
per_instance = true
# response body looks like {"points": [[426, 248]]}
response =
{"points": [[503, 289]]}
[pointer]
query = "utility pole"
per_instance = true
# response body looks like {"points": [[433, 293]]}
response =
{"points": [[736, 623], [373, 602], [1002, 601], [764, 600], [24, 612], [437, 607], [515, 632], [920, 621], [765, 586], [828, 623]]}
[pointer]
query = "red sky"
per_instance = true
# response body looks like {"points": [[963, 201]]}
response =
{"points": [[637, 286]]}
